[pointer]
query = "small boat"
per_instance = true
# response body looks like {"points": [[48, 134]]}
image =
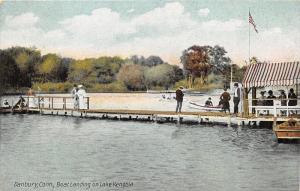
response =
{"points": [[289, 130], [203, 107], [4, 110]]}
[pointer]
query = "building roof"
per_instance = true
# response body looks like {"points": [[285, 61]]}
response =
{"points": [[272, 74]]}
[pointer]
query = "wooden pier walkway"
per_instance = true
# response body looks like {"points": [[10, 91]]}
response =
{"points": [[54, 105]]}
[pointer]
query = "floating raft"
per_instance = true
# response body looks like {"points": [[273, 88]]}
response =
{"points": [[289, 130]]}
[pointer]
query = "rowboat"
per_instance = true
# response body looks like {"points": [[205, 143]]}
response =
{"points": [[289, 130], [205, 108]]}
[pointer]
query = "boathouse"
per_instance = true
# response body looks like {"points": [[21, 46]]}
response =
{"points": [[270, 76]]}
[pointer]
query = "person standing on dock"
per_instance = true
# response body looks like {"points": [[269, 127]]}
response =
{"points": [[75, 96], [179, 99], [81, 95], [236, 98], [225, 97]]}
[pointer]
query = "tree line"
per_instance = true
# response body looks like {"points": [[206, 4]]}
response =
{"points": [[25, 67]]}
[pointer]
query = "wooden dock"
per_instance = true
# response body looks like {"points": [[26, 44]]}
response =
{"points": [[63, 106]]}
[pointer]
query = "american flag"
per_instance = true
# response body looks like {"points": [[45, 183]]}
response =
{"points": [[252, 22]]}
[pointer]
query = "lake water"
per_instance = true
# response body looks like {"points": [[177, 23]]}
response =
{"points": [[36, 148], [88, 154]]}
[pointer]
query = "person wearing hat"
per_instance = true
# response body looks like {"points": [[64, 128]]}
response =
{"points": [[179, 99], [236, 98], [75, 96], [224, 99], [292, 99], [283, 101], [271, 97], [282, 97], [81, 93], [208, 102], [261, 100]]}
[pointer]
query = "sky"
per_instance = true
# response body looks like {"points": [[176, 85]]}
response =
{"points": [[81, 29]]}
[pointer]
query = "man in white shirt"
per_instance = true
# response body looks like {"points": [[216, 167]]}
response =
{"points": [[236, 98]]}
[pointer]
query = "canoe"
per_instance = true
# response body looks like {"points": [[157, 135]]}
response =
{"points": [[289, 130]]}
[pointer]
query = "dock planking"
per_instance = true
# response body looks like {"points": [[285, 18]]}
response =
{"points": [[53, 105]]}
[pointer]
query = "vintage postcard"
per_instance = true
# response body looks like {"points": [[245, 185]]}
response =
{"points": [[183, 95]]}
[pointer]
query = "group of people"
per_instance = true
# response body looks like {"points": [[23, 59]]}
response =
{"points": [[78, 93], [290, 100], [224, 99]]}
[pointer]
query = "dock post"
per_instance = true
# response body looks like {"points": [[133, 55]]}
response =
{"points": [[64, 103], [274, 122], [178, 119], [229, 121], [49, 103], [39, 104], [27, 104], [88, 103], [199, 119]]}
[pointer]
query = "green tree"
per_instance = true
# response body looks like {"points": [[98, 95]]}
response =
{"points": [[218, 60], [132, 75], [9, 71], [106, 69], [80, 70], [163, 75], [50, 68], [27, 60]]}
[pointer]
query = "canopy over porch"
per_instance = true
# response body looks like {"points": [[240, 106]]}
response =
{"points": [[272, 74]]}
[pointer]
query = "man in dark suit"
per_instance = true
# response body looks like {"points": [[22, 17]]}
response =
{"points": [[179, 99]]}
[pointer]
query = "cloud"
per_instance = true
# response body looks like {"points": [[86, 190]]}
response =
{"points": [[203, 12], [230, 25], [165, 19], [21, 21], [164, 31], [130, 11]]}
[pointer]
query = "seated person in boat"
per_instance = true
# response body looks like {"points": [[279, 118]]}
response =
{"points": [[6, 104], [208, 102]]}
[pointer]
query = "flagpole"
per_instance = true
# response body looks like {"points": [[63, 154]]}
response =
{"points": [[249, 36]]}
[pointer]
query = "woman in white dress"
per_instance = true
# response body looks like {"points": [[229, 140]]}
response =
{"points": [[81, 93]]}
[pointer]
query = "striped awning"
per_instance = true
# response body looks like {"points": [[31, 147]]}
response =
{"points": [[272, 74]]}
